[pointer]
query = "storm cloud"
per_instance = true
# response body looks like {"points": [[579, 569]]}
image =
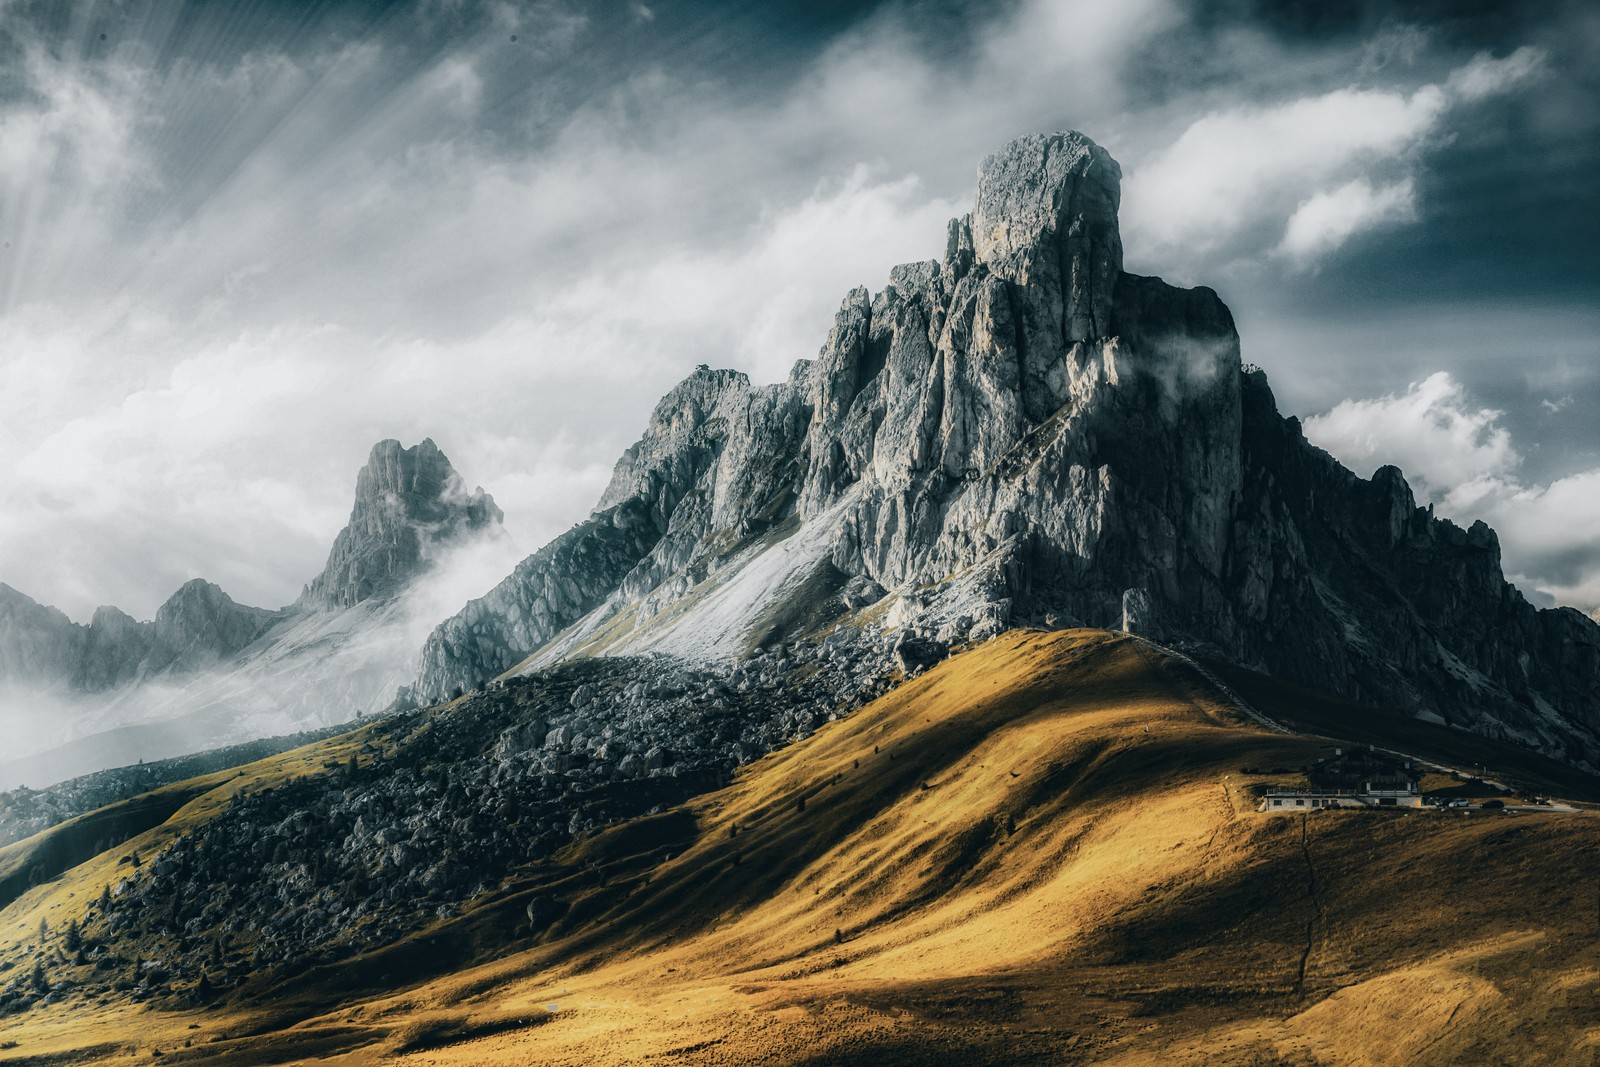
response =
{"points": [[244, 242]]}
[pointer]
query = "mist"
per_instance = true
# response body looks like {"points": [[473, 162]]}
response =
{"points": [[312, 669]]}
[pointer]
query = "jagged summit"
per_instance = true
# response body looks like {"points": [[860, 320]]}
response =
{"points": [[202, 625], [1046, 220], [207, 671], [1022, 433], [408, 502]]}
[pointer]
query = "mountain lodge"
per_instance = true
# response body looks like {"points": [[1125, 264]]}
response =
{"points": [[1361, 778]]}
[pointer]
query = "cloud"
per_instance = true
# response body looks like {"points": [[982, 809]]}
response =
{"points": [[261, 260], [1486, 76], [1555, 406], [1329, 219], [1237, 175], [1229, 170], [1430, 431], [1461, 458], [70, 156]]}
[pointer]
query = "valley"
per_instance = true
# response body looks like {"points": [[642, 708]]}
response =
{"points": [[1042, 849]]}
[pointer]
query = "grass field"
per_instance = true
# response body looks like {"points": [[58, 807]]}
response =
{"points": [[1042, 851]]}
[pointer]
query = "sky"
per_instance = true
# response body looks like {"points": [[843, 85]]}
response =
{"points": [[243, 240]]}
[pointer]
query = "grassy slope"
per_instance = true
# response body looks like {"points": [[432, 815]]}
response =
{"points": [[142, 825], [1041, 850]]}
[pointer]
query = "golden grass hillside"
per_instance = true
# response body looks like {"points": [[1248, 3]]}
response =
{"points": [[1041, 851]]}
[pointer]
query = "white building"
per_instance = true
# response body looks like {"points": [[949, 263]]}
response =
{"points": [[1361, 778], [1280, 798]]}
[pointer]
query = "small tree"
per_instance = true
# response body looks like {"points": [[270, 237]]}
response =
{"points": [[72, 940], [40, 980], [44, 932]]}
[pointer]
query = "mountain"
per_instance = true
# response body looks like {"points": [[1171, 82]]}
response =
{"points": [[207, 671], [409, 502], [197, 626], [1023, 433], [1044, 850], [762, 762]]}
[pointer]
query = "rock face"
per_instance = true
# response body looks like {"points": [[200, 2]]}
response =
{"points": [[207, 671], [198, 626], [1023, 433], [408, 500], [38, 644]]}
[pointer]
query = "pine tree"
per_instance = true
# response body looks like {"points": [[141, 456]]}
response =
{"points": [[41, 981], [72, 941]]}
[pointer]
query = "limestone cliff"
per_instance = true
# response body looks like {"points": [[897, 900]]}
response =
{"points": [[1023, 433], [198, 626], [207, 671], [38, 644], [408, 502]]}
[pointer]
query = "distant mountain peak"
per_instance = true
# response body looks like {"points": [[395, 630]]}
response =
{"points": [[409, 502], [208, 670], [200, 625]]}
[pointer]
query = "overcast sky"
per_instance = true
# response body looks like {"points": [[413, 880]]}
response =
{"points": [[245, 240]]}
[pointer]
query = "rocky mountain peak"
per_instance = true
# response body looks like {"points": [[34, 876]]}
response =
{"points": [[36, 640], [1046, 219], [200, 624], [1024, 434], [409, 503]]}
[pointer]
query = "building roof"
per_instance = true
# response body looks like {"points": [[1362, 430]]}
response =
{"points": [[1362, 768]]}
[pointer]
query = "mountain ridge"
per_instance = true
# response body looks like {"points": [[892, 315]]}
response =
{"points": [[766, 761], [206, 671], [1020, 433], [407, 500], [196, 626]]}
